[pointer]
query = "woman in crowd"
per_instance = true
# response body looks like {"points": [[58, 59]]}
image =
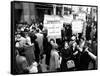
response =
{"points": [[47, 48], [66, 54], [24, 46], [36, 45], [20, 42], [54, 58], [21, 63], [28, 38], [76, 53]]}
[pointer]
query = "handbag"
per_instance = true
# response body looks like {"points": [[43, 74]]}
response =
{"points": [[70, 64]]}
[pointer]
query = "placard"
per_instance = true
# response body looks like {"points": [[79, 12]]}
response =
{"points": [[77, 26], [53, 24], [67, 19], [81, 16]]}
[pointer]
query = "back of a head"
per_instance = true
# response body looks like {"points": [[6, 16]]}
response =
{"points": [[52, 40]]}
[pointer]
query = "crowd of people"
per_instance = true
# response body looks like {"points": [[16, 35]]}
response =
{"points": [[34, 53]]}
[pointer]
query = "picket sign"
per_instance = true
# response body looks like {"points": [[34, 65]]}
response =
{"points": [[67, 19], [77, 26], [53, 24]]}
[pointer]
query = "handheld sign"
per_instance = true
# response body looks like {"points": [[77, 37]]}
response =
{"points": [[53, 24], [77, 26]]}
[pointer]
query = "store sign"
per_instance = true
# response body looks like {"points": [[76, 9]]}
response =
{"points": [[53, 25], [77, 26]]}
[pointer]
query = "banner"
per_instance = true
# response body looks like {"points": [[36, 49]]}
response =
{"points": [[77, 26], [53, 24]]}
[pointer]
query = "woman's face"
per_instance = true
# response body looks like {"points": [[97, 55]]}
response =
{"points": [[74, 44], [18, 35], [66, 45], [51, 42]]}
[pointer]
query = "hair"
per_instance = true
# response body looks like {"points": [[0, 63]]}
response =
{"points": [[34, 28], [65, 43], [37, 30], [52, 40], [82, 38], [26, 30]]}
